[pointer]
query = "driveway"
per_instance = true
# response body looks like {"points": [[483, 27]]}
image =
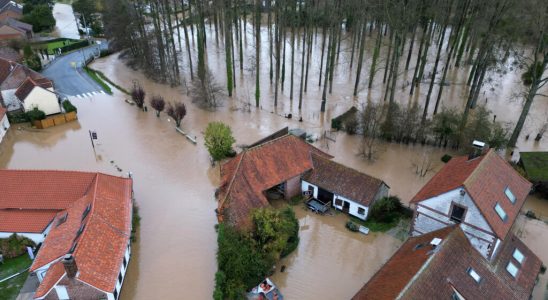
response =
{"points": [[68, 76]]}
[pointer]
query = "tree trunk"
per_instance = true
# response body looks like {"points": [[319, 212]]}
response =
{"points": [[360, 59], [376, 53]]}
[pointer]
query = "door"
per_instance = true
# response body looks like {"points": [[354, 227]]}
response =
{"points": [[346, 206], [324, 196]]}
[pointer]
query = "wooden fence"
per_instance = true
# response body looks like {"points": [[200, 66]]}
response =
{"points": [[55, 120]]}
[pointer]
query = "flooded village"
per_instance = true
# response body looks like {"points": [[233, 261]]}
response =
{"points": [[178, 189]]}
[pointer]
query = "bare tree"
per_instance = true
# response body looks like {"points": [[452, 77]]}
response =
{"points": [[158, 103], [206, 92], [370, 118], [138, 95], [177, 112]]}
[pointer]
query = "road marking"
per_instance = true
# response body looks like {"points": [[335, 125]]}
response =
{"points": [[79, 96], [89, 95], [102, 92], [94, 93]]}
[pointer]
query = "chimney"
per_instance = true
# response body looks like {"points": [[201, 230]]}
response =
{"points": [[70, 265], [479, 148], [435, 242]]}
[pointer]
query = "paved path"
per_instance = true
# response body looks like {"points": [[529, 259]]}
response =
{"points": [[68, 76]]}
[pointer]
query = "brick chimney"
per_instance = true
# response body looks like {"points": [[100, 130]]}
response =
{"points": [[70, 265]]}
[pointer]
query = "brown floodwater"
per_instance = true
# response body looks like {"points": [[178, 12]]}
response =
{"points": [[174, 182], [65, 23]]}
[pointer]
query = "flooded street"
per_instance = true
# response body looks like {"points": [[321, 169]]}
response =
{"points": [[174, 256], [65, 23], [331, 262]]}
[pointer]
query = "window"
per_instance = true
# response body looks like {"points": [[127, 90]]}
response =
{"points": [[518, 256], [474, 275], [125, 262], [338, 202], [73, 248], [361, 211], [512, 269], [85, 213], [457, 213], [500, 211], [115, 294], [62, 219], [120, 277], [80, 231], [510, 195]]}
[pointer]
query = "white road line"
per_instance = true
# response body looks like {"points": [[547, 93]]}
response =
{"points": [[79, 96], [94, 93], [89, 95], [102, 92]]}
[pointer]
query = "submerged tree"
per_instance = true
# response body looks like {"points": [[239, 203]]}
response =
{"points": [[158, 103], [177, 112], [206, 92], [218, 140], [138, 95]]}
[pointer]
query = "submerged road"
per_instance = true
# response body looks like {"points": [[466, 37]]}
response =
{"points": [[69, 77]]}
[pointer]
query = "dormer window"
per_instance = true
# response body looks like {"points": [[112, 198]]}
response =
{"points": [[474, 275], [510, 195], [512, 269], [457, 213], [500, 211], [80, 231], [518, 256], [62, 219]]}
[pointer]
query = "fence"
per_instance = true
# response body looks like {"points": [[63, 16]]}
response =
{"points": [[55, 120]]}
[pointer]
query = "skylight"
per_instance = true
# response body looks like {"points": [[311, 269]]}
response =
{"points": [[500, 211], [512, 269], [518, 256], [474, 275], [510, 195]]}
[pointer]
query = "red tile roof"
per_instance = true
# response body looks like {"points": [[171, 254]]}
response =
{"points": [[12, 75], [421, 273], [100, 247], [394, 275], [24, 90], [343, 180], [26, 220], [485, 178], [55, 273], [250, 173]]}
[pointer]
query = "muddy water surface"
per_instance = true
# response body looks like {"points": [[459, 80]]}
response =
{"points": [[65, 23]]}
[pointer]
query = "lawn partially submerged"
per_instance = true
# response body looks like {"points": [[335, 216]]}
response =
{"points": [[9, 289], [385, 214]]}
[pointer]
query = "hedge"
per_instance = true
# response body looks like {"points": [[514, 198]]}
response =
{"points": [[338, 122]]}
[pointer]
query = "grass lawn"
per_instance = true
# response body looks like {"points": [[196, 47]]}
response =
{"points": [[58, 44], [378, 226], [10, 289], [95, 76]]}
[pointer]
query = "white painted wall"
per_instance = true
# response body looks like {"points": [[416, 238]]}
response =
{"points": [[123, 271], [45, 100], [4, 126], [428, 220], [353, 210]]}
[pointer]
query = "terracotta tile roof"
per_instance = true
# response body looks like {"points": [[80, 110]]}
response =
{"points": [[54, 274], [100, 247], [250, 173], [44, 82], [485, 178], [25, 88], [12, 74], [401, 267], [343, 180], [26, 220], [10, 54], [425, 274], [38, 189], [18, 24]]}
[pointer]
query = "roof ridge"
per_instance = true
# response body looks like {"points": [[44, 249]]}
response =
{"points": [[480, 165], [90, 213], [343, 166], [267, 142], [221, 204]]}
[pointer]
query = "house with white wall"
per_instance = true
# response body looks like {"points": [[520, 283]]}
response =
{"points": [[289, 165], [33, 94], [12, 77], [4, 123], [482, 194], [83, 222]]}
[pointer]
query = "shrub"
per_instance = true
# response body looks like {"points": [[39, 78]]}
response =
{"points": [[352, 226], [67, 105], [386, 209], [446, 158], [337, 123], [35, 114], [19, 117], [15, 246], [218, 140]]}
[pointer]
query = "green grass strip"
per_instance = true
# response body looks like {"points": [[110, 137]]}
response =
{"points": [[104, 77], [97, 79]]}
